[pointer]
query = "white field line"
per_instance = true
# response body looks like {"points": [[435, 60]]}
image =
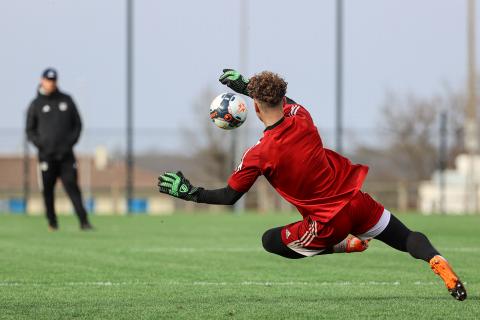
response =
{"points": [[216, 284], [193, 250], [464, 249], [258, 249]]}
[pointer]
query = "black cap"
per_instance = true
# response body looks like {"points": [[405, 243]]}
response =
{"points": [[50, 74]]}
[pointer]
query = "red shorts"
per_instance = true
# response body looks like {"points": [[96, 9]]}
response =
{"points": [[309, 237]]}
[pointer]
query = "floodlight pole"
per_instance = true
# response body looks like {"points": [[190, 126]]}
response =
{"points": [[442, 162], [238, 138], [471, 139], [129, 159], [339, 77], [26, 172]]}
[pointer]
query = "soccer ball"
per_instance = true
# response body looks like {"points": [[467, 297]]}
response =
{"points": [[228, 111]]}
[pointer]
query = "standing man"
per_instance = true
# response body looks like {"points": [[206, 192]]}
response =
{"points": [[53, 126]]}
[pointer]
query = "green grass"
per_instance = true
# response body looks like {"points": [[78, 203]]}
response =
{"points": [[213, 267]]}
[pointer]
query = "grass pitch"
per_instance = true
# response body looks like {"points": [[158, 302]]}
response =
{"points": [[213, 267]]}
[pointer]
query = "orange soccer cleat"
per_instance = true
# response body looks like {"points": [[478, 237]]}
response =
{"points": [[441, 267], [354, 244]]}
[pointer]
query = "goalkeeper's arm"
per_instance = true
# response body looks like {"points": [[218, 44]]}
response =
{"points": [[176, 185], [225, 196]]}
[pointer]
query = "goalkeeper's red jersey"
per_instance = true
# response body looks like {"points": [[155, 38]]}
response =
{"points": [[317, 181]]}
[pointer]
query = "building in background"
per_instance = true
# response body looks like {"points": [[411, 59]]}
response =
{"points": [[453, 197], [103, 185], [102, 182]]}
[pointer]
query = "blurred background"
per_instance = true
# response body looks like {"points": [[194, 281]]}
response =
{"points": [[391, 84]]}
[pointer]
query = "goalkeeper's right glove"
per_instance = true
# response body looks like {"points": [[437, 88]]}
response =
{"points": [[175, 184], [235, 81]]}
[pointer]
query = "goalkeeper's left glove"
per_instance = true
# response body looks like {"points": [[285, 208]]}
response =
{"points": [[235, 81], [175, 184]]}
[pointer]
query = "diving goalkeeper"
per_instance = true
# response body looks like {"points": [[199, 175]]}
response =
{"points": [[323, 185]]}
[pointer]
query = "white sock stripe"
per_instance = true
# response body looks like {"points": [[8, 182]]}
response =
{"points": [[378, 227]]}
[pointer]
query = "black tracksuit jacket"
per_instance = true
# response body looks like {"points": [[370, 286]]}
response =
{"points": [[53, 125]]}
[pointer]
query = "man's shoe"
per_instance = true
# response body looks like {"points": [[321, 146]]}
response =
{"points": [[441, 267], [86, 226], [52, 228], [354, 244]]}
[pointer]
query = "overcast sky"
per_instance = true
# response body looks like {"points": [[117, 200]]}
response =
{"points": [[181, 47]]}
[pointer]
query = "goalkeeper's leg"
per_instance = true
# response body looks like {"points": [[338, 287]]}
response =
{"points": [[398, 236], [273, 243]]}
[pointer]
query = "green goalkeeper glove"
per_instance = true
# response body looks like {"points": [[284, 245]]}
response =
{"points": [[234, 80], [175, 184]]}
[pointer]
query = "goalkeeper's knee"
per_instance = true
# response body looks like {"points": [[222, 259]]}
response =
{"points": [[272, 242]]}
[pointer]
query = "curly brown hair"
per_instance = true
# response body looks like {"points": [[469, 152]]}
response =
{"points": [[267, 87]]}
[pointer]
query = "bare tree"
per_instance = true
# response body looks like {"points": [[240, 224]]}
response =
{"points": [[454, 103], [407, 151], [410, 126]]}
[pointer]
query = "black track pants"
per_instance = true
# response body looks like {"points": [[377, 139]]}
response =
{"points": [[66, 170]]}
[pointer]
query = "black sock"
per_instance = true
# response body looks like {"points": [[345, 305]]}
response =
{"points": [[398, 236], [395, 234], [420, 247]]}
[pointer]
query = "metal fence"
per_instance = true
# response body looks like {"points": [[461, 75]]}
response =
{"points": [[158, 149]]}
